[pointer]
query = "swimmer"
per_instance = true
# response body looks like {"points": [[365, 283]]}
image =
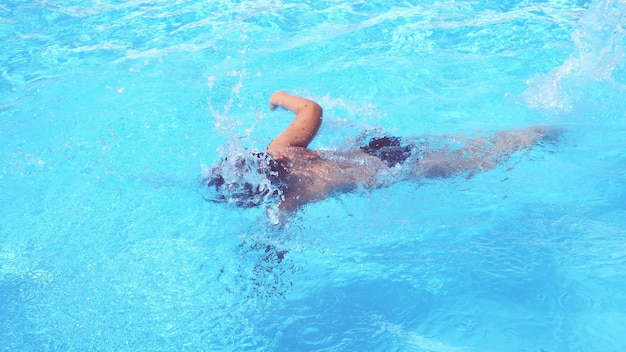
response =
{"points": [[295, 175]]}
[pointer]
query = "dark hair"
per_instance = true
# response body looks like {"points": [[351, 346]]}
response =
{"points": [[247, 180]]}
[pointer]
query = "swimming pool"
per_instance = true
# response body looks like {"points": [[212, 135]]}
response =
{"points": [[110, 110]]}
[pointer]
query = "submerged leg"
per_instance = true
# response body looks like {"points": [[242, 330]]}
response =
{"points": [[477, 155]]}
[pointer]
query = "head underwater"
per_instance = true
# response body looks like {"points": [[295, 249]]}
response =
{"points": [[247, 180]]}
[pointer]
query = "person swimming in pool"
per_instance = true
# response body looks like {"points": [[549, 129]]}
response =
{"points": [[295, 175]]}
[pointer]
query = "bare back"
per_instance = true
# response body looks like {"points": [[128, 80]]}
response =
{"points": [[314, 175]]}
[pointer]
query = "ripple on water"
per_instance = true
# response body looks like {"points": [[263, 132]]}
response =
{"points": [[575, 300], [316, 335]]}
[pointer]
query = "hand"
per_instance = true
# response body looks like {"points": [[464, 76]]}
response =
{"points": [[275, 99]]}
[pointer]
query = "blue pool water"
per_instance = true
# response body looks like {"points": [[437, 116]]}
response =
{"points": [[109, 111]]}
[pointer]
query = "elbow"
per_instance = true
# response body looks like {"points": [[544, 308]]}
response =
{"points": [[312, 107], [317, 110]]}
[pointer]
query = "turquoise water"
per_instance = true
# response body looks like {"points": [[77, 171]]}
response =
{"points": [[109, 111]]}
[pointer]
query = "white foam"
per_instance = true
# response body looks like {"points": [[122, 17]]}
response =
{"points": [[599, 41]]}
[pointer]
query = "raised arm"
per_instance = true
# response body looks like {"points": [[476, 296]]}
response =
{"points": [[304, 126]]}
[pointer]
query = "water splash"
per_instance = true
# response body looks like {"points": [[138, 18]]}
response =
{"points": [[599, 41], [243, 175]]}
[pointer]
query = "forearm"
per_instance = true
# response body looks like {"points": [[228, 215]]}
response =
{"points": [[304, 126], [292, 103]]}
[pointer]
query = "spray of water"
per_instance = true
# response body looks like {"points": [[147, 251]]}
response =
{"points": [[243, 176], [599, 40]]}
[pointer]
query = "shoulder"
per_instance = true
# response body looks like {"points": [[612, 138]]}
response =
{"points": [[280, 153]]}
